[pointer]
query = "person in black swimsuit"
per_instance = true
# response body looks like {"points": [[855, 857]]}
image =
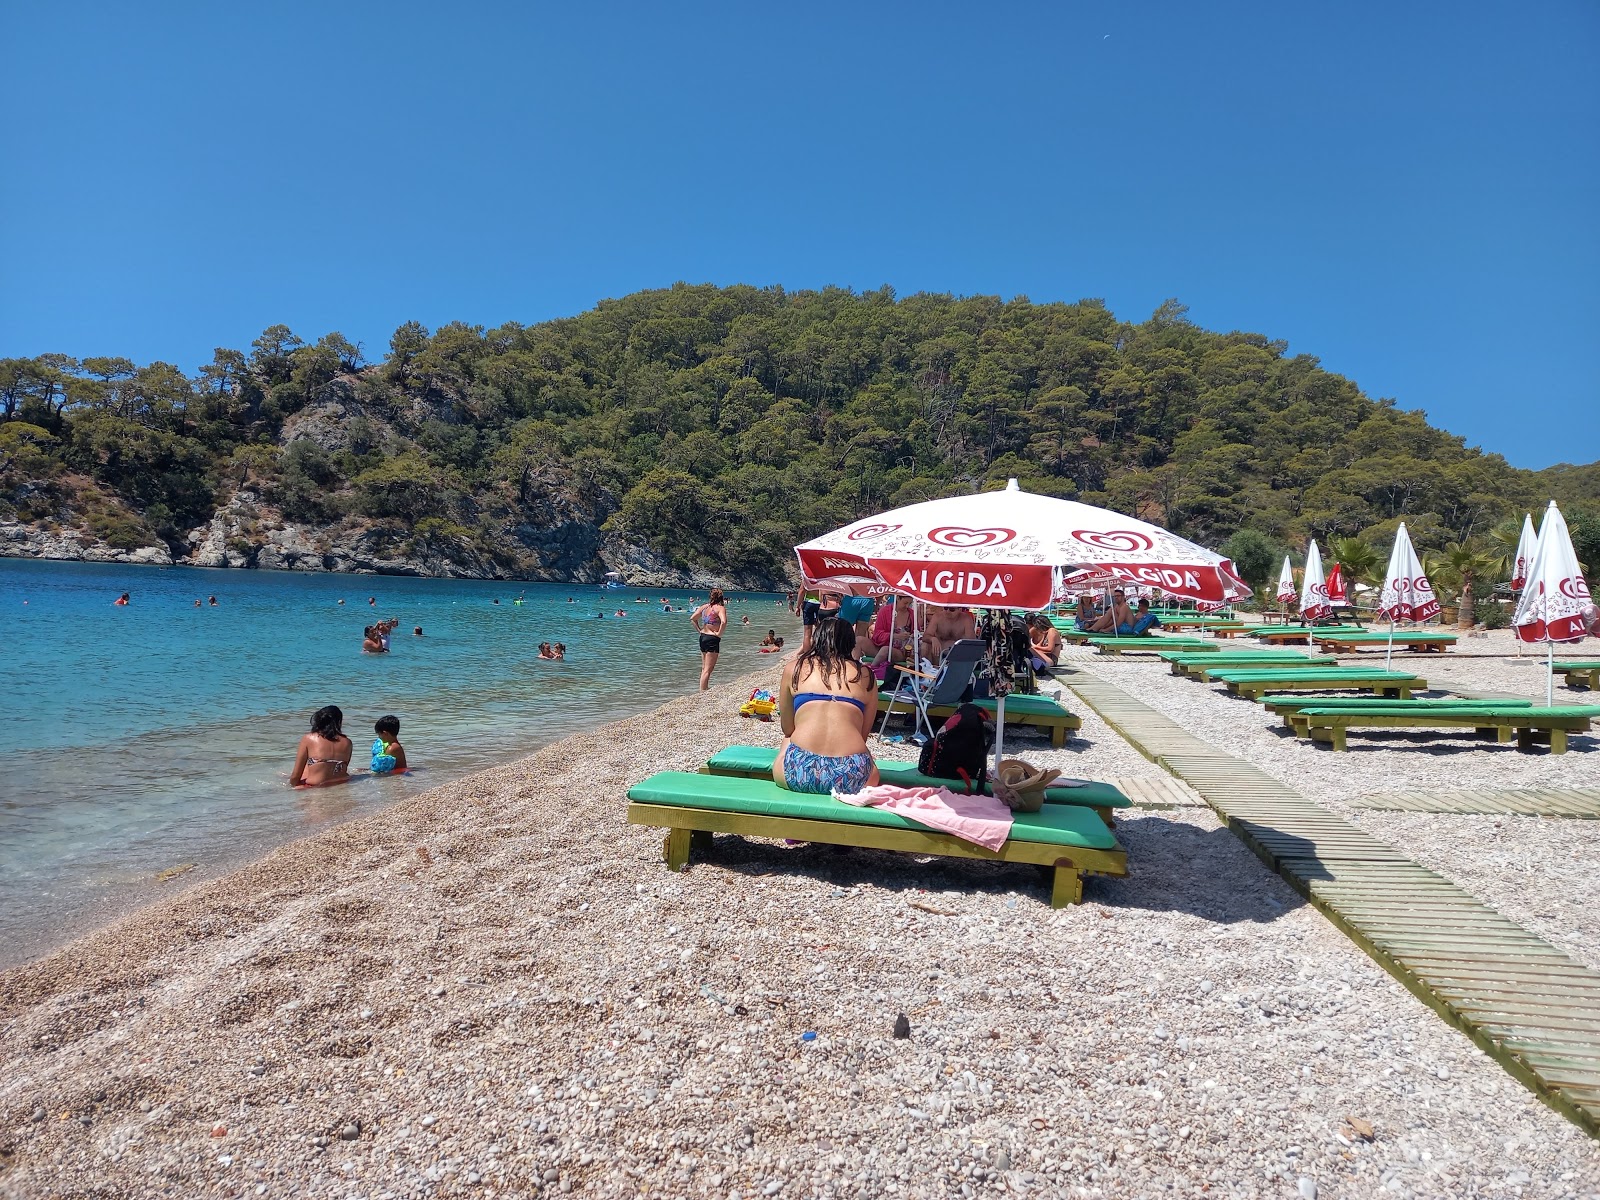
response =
{"points": [[711, 618]]}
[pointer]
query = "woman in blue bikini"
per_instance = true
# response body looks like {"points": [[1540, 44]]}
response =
{"points": [[827, 702]]}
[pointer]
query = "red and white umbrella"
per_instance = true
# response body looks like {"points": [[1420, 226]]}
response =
{"points": [[1555, 596], [1407, 595], [999, 550], [1313, 590], [1336, 592], [1524, 559], [1286, 589]]}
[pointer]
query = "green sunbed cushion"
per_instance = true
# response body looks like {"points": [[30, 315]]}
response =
{"points": [[758, 760], [1055, 824], [1366, 636], [1510, 712], [1267, 675], [1577, 666], [1365, 703], [1245, 661]]}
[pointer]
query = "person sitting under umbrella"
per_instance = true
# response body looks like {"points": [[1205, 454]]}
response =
{"points": [[1115, 618], [827, 702]]}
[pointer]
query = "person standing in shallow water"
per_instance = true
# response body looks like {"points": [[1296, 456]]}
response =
{"points": [[710, 619]]}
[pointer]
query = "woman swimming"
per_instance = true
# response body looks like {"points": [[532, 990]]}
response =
{"points": [[324, 753], [827, 702]]}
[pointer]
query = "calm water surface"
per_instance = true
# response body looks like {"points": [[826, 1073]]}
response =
{"points": [[144, 737]]}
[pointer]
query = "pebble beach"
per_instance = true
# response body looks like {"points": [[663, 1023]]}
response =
{"points": [[497, 989]]}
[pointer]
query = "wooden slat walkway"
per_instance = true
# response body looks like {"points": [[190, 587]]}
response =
{"points": [[1575, 803], [1165, 792], [1534, 1009]]}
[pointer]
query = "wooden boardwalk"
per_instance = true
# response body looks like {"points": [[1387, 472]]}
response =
{"points": [[1575, 803], [1534, 1009], [1165, 792]]}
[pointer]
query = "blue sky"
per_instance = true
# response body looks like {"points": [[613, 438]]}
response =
{"points": [[1408, 192]]}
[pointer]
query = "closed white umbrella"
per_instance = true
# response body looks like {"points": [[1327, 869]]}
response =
{"points": [[1286, 588], [1313, 588], [1524, 558], [1555, 597], [1407, 595]]}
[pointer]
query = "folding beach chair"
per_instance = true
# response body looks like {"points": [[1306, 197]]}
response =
{"points": [[944, 687]]}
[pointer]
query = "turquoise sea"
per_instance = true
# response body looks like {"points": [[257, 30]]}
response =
{"points": [[140, 738]]}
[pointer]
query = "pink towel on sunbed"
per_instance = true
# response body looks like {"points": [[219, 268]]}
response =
{"points": [[981, 820]]}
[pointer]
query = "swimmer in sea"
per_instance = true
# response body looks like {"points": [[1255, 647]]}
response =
{"points": [[324, 753], [213, 602], [197, 604], [372, 641], [621, 612], [372, 600], [123, 600], [559, 651], [417, 631]]}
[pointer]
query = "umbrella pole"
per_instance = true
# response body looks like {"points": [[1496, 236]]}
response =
{"points": [[1550, 673], [1388, 657], [999, 731]]}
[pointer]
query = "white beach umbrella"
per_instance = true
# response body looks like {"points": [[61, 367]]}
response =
{"points": [[1407, 595], [1003, 549], [1313, 589], [1555, 599], [1286, 588], [1524, 559]]}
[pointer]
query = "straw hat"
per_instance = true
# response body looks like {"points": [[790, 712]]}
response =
{"points": [[1020, 786]]}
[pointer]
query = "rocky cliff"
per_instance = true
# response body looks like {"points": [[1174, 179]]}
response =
{"points": [[247, 532]]}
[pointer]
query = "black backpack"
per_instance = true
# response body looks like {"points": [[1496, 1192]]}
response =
{"points": [[960, 749]]}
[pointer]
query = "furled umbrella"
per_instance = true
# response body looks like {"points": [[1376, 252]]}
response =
{"points": [[1286, 589], [1407, 595], [1555, 599], [1524, 557], [1313, 589], [1001, 549], [1335, 588]]}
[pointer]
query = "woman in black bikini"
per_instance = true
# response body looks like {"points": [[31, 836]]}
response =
{"points": [[324, 753], [711, 618]]}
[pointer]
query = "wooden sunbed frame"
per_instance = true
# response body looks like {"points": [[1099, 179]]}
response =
{"points": [[690, 829], [1427, 643], [1586, 673], [1107, 643], [1331, 727], [1402, 687]]}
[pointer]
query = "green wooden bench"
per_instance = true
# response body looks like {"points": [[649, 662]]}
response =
{"points": [[1528, 723], [1066, 840], [1413, 640], [755, 762], [1025, 712], [1282, 634], [1148, 644], [1253, 683], [1206, 668], [1289, 707], [1575, 673]]}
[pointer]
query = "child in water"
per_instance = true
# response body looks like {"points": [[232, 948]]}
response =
{"points": [[387, 752]]}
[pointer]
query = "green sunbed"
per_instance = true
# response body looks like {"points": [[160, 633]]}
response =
{"points": [[1254, 683], [1148, 644], [1434, 642], [1028, 712], [1206, 669], [755, 762], [1296, 633], [1072, 841], [1290, 707], [1528, 722], [1585, 673]]}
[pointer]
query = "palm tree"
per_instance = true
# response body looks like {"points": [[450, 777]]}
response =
{"points": [[1359, 559], [1458, 568]]}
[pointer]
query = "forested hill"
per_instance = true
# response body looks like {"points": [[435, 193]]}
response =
{"points": [[707, 429]]}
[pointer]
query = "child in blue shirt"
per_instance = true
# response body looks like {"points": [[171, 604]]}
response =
{"points": [[387, 752]]}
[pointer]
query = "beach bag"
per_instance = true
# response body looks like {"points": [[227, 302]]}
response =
{"points": [[1020, 785], [960, 749]]}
